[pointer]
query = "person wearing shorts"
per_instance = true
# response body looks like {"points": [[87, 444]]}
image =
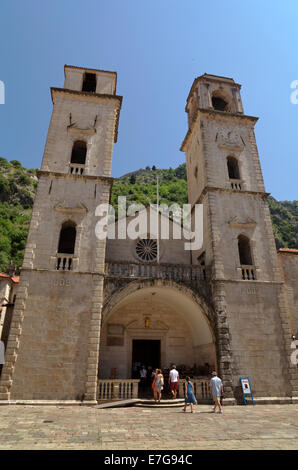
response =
{"points": [[216, 388], [174, 381]]}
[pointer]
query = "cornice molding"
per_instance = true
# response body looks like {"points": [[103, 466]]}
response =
{"points": [[108, 179], [208, 189]]}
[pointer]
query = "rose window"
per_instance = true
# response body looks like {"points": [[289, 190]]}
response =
{"points": [[146, 249]]}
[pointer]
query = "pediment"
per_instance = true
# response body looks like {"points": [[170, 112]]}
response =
{"points": [[145, 218], [80, 208]]}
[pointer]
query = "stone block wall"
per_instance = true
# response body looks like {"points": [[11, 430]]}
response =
{"points": [[257, 338], [93, 121], [105, 81], [60, 198], [52, 351], [288, 260]]}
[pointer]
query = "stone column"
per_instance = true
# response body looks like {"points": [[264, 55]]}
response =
{"points": [[13, 343], [135, 389], [94, 339], [223, 346], [97, 301], [116, 387]]}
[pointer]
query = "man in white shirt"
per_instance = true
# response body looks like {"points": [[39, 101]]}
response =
{"points": [[174, 381], [216, 388]]}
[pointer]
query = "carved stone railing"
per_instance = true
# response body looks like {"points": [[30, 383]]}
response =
{"points": [[248, 272], [117, 389], [201, 389], [76, 169], [64, 262], [236, 184], [175, 272]]}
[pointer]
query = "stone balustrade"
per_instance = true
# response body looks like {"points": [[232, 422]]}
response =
{"points": [[124, 389], [173, 272], [76, 169], [236, 183], [201, 390], [117, 389], [248, 272], [64, 262]]}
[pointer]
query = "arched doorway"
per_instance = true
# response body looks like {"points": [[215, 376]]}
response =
{"points": [[162, 317]]}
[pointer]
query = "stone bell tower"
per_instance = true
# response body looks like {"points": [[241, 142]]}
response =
{"points": [[252, 331], [53, 347]]}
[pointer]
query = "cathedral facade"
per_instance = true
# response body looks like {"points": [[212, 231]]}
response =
{"points": [[89, 308]]}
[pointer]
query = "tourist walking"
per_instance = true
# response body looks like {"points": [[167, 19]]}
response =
{"points": [[174, 381], [216, 388], [158, 385], [189, 395]]}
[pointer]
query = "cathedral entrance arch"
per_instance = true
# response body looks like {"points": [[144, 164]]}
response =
{"points": [[156, 311]]}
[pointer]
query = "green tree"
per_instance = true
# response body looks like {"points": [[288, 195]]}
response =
{"points": [[132, 179]]}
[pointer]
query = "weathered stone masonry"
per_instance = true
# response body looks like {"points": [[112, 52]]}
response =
{"points": [[231, 303]]}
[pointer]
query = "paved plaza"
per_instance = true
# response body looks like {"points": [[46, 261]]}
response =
{"points": [[81, 427]]}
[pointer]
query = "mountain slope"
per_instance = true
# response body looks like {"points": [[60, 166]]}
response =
{"points": [[18, 186], [17, 190]]}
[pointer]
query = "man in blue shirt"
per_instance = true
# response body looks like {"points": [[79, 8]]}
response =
{"points": [[216, 388]]}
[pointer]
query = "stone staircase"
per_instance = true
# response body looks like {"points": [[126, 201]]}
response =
{"points": [[164, 403], [141, 403]]}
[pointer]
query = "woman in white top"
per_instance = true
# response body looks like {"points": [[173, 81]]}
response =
{"points": [[158, 385]]}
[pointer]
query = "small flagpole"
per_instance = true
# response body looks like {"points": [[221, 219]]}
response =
{"points": [[157, 200]]}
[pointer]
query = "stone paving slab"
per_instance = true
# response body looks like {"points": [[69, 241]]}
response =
{"points": [[76, 427]]}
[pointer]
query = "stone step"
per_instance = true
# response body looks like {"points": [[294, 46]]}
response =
{"points": [[163, 400], [143, 403], [117, 403]]}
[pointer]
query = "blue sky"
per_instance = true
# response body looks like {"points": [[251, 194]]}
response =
{"points": [[157, 48]]}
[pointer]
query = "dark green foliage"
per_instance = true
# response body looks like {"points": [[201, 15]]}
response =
{"points": [[180, 172], [141, 186], [284, 215], [18, 186], [173, 189], [17, 190], [4, 187], [16, 163], [132, 179]]}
